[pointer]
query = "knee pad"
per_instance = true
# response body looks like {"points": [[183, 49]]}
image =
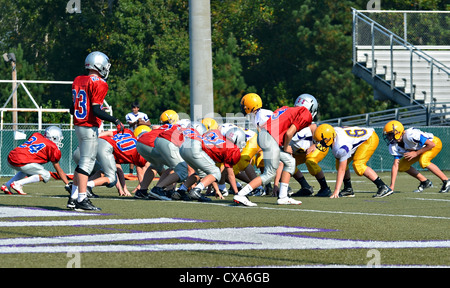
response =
{"points": [[81, 171]]}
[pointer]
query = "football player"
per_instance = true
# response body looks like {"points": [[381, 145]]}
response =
{"points": [[348, 144], [251, 104], [28, 158], [410, 146], [167, 145], [89, 92], [274, 139], [134, 119], [305, 152], [203, 153]]}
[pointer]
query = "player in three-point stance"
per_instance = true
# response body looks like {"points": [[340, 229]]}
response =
{"points": [[348, 144], [412, 145], [28, 158]]}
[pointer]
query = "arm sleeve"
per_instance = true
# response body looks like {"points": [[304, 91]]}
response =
{"points": [[99, 113]]}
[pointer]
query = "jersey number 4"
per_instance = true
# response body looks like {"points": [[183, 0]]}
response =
{"points": [[32, 147]]}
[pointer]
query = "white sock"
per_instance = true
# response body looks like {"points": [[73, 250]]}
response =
{"points": [[81, 196], [200, 186], [244, 191], [28, 180], [18, 176], [91, 184], [283, 193], [74, 193]]}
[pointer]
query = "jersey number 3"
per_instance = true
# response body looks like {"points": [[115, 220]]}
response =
{"points": [[81, 100]]}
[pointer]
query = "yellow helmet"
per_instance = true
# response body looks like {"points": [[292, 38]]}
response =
{"points": [[393, 130], [169, 117], [250, 102], [324, 136], [210, 123], [141, 129]]}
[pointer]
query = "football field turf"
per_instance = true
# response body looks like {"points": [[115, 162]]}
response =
{"points": [[405, 229]]}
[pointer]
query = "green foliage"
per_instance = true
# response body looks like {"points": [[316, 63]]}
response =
{"points": [[277, 48]]}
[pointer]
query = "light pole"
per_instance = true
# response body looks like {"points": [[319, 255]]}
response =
{"points": [[11, 57]]}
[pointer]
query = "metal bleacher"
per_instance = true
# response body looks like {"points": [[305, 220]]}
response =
{"points": [[415, 77]]}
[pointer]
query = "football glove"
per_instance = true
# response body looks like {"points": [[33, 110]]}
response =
{"points": [[68, 187], [119, 126]]}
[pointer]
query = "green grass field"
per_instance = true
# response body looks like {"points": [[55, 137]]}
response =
{"points": [[405, 229]]}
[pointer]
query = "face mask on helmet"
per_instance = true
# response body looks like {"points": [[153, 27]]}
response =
{"points": [[324, 137], [393, 132], [54, 134], [250, 103], [99, 62]]}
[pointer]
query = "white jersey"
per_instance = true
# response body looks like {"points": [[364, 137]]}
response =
{"points": [[131, 117], [413, 139], [223, 128], [260, 117], [348, 139], [302, 140]]}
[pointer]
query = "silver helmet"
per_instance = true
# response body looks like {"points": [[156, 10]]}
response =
{"points": [[54, 134], [99, 62], [308, 101], [199, 126], [237, 136]]}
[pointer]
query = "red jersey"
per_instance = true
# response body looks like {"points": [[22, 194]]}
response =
{"points": [[283, 118], [219, 148], [148, 138], [125, 151], [191, 133], [87, 90], [172, 133], [37, 149]]}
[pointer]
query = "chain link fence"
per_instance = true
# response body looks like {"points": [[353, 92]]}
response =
{"points": [[380, 161]]}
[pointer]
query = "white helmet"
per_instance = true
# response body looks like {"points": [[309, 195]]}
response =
{"points": [[184, 123], [308, 101], [99, 62], [237, 136], [199, 126], [54, 134]]}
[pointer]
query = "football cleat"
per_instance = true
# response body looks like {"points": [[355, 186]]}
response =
{"points": [[445, 186], [91, 194], [347, 192], [423, 185], [383, 191], [18, 188], [158, 193], [141, 194], [71, 203], [288, 201], [324, 192], [85, 205], [6, 190], [239, 199], [304, 192]]}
